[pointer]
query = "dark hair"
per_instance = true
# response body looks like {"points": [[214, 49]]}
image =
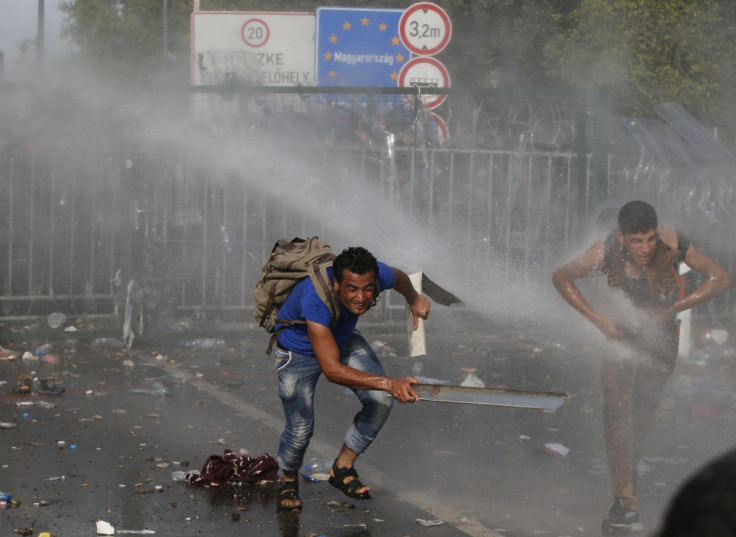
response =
{"points": [[706, 504], [355, 259], [637, 217]]}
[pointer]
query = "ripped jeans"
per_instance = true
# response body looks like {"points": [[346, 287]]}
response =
{"points": [[298, 376]]}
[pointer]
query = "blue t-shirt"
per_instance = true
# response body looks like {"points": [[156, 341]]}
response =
{"points": [[305, 304]]}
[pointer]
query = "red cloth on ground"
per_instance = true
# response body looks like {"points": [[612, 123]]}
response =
{"points": [[236, 468]]}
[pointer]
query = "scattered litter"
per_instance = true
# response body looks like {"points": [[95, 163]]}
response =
{"points": [[55, 320], [7, 354], [70, 329], [317, 471], [29, 356], [24, 531], [104, 528], [41, 503], [524, 437], [139, 532], [556, 449], [106, 342], [435, 522], [180, 475], [23, 384], [157, 388], [238, 468], [42, 404], [7, 425], [44, 349], [49, 359], [128, 363]]}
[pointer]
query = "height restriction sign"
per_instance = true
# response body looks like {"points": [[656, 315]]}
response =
{"points": [[425, 28]]}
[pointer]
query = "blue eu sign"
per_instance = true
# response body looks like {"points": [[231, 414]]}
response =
{"points": [[359, 47]]}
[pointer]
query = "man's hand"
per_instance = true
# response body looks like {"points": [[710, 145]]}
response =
{"points": [[401, 389], [419, 309], [610, 327]]}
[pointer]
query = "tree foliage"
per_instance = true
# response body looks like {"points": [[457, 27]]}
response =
{"points": [[645, 53]]}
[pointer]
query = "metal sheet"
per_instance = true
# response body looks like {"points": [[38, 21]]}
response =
{"points": [[490, 396]]}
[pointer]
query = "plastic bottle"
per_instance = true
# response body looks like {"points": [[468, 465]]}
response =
{"points": [[106, 342], [179, 475], [7, 501], [317, 471], [44, 349], [157, 389], [207, 343]]}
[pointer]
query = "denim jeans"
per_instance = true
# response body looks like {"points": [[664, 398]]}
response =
{"points": [[298, 376]]}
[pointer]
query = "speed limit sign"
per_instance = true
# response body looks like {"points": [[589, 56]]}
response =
{"points": [[255, 33]]}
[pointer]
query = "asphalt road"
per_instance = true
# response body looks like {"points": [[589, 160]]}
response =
{"points": [[102, 452]]}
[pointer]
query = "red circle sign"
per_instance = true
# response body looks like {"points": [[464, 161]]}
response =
{"points": [[443, 133], [424, 72], [255, 33], [425, 28]]}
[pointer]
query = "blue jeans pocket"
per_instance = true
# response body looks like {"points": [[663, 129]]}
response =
{"points": [[281, 359]]}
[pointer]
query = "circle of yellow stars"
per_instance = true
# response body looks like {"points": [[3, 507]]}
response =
{"points": [[365, 21]]}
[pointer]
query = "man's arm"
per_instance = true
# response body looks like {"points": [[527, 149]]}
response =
{"points": [[716, 281], [418, 303], [328, 355], [581, 267]]}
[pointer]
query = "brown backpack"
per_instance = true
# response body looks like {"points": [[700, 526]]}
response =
{"points": [[289, 263]]}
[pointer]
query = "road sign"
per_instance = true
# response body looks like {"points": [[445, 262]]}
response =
{"points": [[255, 32], [442, 133], [267, 48], [425, 72], [425, 28], [359, 47]]}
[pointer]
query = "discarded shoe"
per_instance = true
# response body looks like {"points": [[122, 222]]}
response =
{"points": [[7, 354], [48, 386], [23, 384]]}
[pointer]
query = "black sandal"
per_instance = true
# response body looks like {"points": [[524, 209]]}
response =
{"points": [[289, 490], [349, 488]]}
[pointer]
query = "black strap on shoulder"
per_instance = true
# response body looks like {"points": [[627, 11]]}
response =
{"points": [[609, 244], [325, 291], [683, 245]]}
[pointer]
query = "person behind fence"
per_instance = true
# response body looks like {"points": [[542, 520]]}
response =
{"points": [[304, 351], [639, 260], [705, 505]]}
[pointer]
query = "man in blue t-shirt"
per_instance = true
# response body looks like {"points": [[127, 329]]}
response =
{"points": [[306, 350]]}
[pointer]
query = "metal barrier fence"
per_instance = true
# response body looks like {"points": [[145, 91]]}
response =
{"points": [[81, 220]]}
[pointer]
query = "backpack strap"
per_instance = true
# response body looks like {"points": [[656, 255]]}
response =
{"points": [[321, 283]]}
